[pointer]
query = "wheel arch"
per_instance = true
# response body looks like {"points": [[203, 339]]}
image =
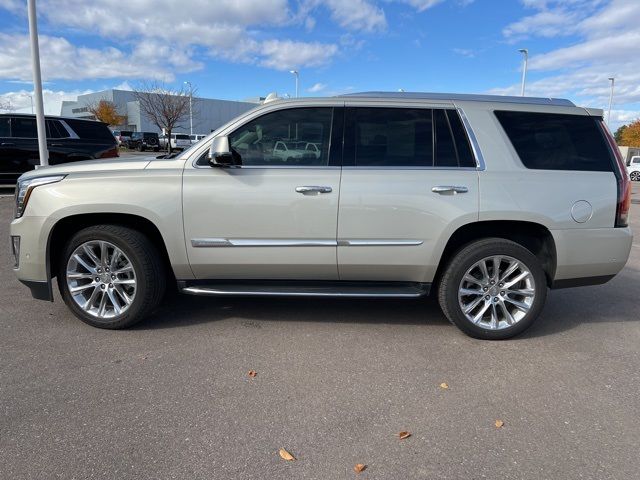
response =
{"points": [[533, 236], [67, 226]]}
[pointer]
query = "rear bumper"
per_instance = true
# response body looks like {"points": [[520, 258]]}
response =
{"points": [[590, 256]]}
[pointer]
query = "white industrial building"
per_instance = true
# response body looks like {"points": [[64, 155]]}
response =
{"points": [[208, 113]]}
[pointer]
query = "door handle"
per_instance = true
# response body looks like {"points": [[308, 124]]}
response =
{"points": [[449, 189], [313, 189]]}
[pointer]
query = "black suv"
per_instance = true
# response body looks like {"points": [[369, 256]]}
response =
{"points": [[68, 140], [142, 141]]}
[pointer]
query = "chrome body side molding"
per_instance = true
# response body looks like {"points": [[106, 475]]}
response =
{"points": [[243, 242]]}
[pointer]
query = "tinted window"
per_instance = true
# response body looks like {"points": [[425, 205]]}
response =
{"points": [[281, 138], [56, 130], [393, 137], [24, 127], [463, 148], [4, 127], [182, 137], [552, 141], [445, 146], [91, 130]]}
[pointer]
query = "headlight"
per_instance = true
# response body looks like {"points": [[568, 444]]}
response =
{"points": [[25, 187]]}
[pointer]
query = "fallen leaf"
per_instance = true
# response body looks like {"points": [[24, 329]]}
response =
{"points": [[252, 373], [404, 435], [360, 467], [444, 385], [286, 455], [499, 423]]}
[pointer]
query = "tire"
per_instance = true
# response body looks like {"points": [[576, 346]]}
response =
{"points": [[496, 323], [635, 176], [137, 273]]}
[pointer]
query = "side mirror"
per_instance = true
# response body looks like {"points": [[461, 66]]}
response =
{"points": [[220, 153]]}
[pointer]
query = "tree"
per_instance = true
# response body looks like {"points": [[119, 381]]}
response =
{"points": [[6, 106], [105, 111], [618, 134], [163, 106], [631, 135]]}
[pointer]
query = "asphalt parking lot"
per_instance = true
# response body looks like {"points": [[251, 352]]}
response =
{"points": [[336, 381]]}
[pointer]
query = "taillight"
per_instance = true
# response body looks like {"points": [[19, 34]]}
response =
{"points": [[622, 178], [112, 152]]}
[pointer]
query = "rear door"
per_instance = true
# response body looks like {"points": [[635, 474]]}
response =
{"points": [[24, 141], [409, 180]]}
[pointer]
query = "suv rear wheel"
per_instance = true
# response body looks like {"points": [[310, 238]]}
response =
{"points": [[111, 276], [493, 289]]}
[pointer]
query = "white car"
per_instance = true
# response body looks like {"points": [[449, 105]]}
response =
{"points": [[179, 141], [634, 168], [196, 137], [484, 201]]}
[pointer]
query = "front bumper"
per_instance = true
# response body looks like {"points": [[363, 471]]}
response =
{"points": [[32, 263]]}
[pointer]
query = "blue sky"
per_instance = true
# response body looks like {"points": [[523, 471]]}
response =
{"points": [[238, 49]]}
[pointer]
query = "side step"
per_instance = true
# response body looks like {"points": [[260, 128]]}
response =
{"points": [[308, 289]]}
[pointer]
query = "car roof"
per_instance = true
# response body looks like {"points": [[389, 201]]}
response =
{"points": [[461, 97], [48, 117]]}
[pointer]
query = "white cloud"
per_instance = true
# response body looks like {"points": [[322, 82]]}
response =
{"points": [[356, 14], [317, 87], [20, 100], [284, 55], [608, 40], [422, 5]]}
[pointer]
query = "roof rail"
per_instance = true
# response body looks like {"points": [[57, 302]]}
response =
{"points": [[463, 97]]}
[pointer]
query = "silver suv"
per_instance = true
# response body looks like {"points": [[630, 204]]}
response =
{"points": [[486, 202]]}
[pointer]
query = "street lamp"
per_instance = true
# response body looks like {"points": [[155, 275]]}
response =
{"points": [[613, 81], [525, 53], [30, 97], [297, 74], [190, 107]]}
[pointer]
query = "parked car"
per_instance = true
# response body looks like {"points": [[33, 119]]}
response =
{"points": [[142, 141], [196, 137], [122, 136], [179, 141], [68, 140], [634, 169], [483, 201], [293, 150]]}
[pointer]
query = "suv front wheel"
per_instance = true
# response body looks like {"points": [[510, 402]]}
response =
{"points": [[111, 276], [493, 289]]}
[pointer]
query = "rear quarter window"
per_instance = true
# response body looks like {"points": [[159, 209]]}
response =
{"points": [[91, 130], [552, 141]]}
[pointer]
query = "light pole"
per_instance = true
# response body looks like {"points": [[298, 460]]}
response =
{"points": [[525, 53], [30, 97], [613, 81], [190, 107], [297, 74], [37, 82]]}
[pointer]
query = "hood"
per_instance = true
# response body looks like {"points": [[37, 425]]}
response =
{"points": [[92, 166]]}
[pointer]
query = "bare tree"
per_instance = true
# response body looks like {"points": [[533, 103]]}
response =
{"points": [[6, 106], [165, 107]]}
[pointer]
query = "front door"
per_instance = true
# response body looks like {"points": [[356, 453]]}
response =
{"points": [[274, 216], [409, 179]]}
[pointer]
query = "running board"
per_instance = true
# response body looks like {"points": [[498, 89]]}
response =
{"points": [[309, 289]]}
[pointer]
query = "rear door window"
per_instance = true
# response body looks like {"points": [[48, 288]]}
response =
{"points": [[23, 127], [5, 131], [406, 137], [552, 141]]}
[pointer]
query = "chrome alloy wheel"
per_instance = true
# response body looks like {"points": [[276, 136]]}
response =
{"points": [[635, 176], [101, 279], [496, 292]]}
